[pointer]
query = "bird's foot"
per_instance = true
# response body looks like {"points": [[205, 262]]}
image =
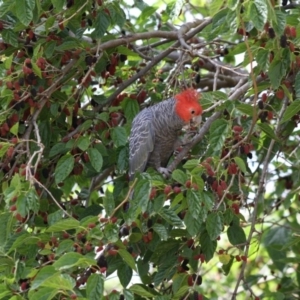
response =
{"points": [[164, 171]]}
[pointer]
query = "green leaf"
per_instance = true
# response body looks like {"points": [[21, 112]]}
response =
{"points": [[171, 217], [127, 258], [161, 231], [10, 37], [277, 71], [259, 13], [86, 125], [179, 176], [83, 143], [5, 227], [217, 134], [280, 23], [268, 131], [63, 168], [72, 259], [191, 164], [43, 293], [119, 136], [124, 274], [241, 164], [24, 11], [3, 148], [236, 235], [42, 276], [194, 203], [208, 246], [64, 225], [246, 109], [95, 286], [214, 225], [109, 202], [291, 110], [142, 290], [101, 25], [297, 85], [58, 4], [95, 158], [146, 14], [142, 193], [262, 58], [130, 107]]}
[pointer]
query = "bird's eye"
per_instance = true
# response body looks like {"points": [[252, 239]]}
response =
{"points": [[192, 111]]}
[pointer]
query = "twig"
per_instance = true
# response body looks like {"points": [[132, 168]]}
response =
{"points": [[126, 198], [260, 192]]}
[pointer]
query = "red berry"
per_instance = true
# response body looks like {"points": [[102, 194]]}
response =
{"points": [[243, 258], [293, 32], [264, 97], [167, 189], [92, 225], [237, 128], [188, 184], [176, 189], [221, 251], [238, 258], [280, 94], [190, 280]]}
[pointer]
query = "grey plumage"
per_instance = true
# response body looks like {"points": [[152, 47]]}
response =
{"points": [[153, 136]]}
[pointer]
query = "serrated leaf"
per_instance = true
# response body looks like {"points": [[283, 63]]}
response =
{"points": [[217, 135], [268, 131], [241, 164], [245, 109], [236, 235], [297, 85], [58, 4], [208, 246], [161, 231], [63, 225], [72, 259], [24, 11], [124, 274], [58, 149], [63, 168], [95, 158], [280, 22], [4, 147], [86, 125], [214, 225], [95, 286], [42, 276], [142, 290], [259, 13], [194, 203], [171, 217], [119, 136], [191, 164], [179, 176], [131, 108], [83, 143], [10, 37], [262, 58], [102, 23], [291, 110], [127, 258], [277, 71], [141, 194]]}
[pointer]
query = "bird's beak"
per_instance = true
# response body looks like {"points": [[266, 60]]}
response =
{"points": [[196, 121]]}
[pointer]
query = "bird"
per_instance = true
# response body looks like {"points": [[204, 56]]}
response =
{"points": [[155, 131]]}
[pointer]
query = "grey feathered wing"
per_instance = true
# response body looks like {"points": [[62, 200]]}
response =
{"points": [[141, 142]]}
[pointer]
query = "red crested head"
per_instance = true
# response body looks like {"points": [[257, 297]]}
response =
{"points": [[187, 106]]}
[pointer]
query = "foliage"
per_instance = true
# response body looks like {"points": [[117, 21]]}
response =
{"points": [[73, 76]]}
